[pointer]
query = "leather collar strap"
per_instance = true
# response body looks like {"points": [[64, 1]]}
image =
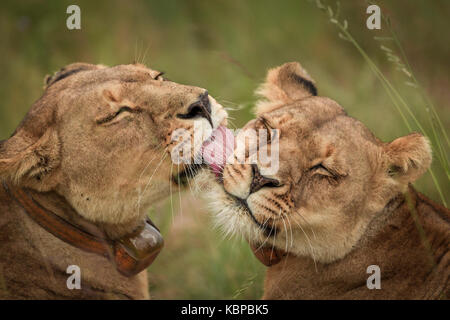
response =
{"points": [[130, 254], [267, 255]]}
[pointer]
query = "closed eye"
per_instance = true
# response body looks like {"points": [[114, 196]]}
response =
{"points": [[114, 115], [322, 170]]}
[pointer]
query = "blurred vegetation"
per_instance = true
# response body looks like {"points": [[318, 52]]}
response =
{"points": [[226, 47]]}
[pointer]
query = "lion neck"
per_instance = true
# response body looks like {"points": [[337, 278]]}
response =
{"points": [[391, 241], [34, 262], [58, 205], [325, 244]]}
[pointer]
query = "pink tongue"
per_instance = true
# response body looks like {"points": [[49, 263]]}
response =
{"points": [[218, 148]]}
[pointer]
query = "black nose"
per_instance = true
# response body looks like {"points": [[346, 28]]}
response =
{"points": [[200, 108], [260, 181]]}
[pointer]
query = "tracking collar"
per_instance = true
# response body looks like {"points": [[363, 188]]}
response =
{"points": [[130, 254]]}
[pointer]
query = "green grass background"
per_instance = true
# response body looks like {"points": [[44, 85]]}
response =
{"points": [[226, 47]]}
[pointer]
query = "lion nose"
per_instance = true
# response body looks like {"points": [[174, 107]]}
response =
{"points": [[200, 108], [260, 181]]}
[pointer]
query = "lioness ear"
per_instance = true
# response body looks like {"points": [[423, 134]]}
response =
{"points": [[68, 71], [283, 85], [23, 158], [408, 157]]}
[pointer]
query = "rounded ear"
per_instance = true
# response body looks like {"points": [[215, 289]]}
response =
{"points": [[22, 158], [284, 84], [408, 157], [68, 71]]}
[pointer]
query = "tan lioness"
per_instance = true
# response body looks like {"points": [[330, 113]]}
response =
{"points": [[339, 219], [85, 164]]}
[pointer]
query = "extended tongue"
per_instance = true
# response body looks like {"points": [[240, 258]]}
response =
{"points": [[218, 148]]}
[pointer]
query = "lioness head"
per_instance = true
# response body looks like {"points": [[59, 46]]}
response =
{"points": [[334, 175], [102, 138]]}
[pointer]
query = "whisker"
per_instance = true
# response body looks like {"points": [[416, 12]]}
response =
{"points": [[148, 183], [157, 167], [140, 176], [135, 50], [139, 55], [287, 237], [170, 191], [267, 237], [145, 54], [179, 191], [285, 229], [229, 119], [309, 225], [273, 246], [190, 176], [310, 245], [290, 227]]}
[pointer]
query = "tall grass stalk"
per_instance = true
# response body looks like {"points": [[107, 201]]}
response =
{"points": [[433, 117], [399, 102]]}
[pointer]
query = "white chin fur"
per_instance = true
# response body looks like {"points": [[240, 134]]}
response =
{"points": [[227, 215]]}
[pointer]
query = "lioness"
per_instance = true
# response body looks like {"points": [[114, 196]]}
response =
{"points": [[79, 173], [340, 205]]}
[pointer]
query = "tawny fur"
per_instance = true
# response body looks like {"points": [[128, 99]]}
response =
{"points": [[412, 265], [99, 143], [336, 179], [33, 262]]}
